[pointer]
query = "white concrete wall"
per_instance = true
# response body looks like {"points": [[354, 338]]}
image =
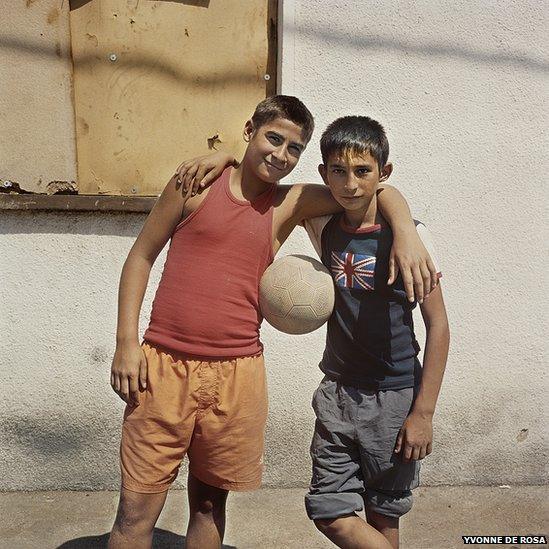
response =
{"points": [[459, 89]]}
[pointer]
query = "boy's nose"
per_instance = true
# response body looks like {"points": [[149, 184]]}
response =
{"points": [[280, 155], [351, 184]]}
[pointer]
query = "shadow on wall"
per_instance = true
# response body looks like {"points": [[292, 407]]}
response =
{"points": [[330, 37], [150, 63], [121, 224], [333, 38], [45, 437], [162, 539]]}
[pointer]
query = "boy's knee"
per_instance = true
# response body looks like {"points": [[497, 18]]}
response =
{"points": [[205, 499], [132, 525], [137, 512], [381, 521], [208, 506], [329, 527]]}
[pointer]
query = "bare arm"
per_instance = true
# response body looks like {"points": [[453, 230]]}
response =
{"points": [[197, 173], [408, 254], [416, 436], [129, 370]]}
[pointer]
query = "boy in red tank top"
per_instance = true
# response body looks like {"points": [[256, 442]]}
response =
{"points": [[196, 385]]}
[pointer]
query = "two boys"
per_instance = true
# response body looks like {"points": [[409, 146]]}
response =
{"points": [[196, 385]]}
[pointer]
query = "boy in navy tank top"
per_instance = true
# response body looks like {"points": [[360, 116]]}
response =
{"points": [[196, 385], [375, 405]]}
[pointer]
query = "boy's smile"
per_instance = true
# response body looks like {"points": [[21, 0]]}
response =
{"points": [[274, 148]]}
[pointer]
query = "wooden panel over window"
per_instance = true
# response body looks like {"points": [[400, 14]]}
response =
{"points": [[158, 81]]}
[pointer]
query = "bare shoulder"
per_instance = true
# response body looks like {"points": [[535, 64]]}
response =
{"points": [[193, 202], [312, 200], [285, 193], [300, 191]]}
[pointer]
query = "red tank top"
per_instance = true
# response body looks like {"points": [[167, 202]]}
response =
{"points": [[207, 302]]}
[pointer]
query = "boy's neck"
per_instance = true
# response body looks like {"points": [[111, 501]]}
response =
{"points": [[365, 217], [245, 184]]}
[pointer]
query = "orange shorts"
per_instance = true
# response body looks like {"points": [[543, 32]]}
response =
{"points": [[212, 410]]}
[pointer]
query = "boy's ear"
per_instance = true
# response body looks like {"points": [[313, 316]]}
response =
{"points": [[386, 172], [322, 172], [248, 131]]}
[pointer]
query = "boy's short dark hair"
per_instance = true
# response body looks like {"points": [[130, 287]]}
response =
{"points": [[356, 135], [284, 106]]}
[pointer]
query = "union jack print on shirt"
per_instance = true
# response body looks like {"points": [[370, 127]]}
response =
{"points": [[353, 270]]}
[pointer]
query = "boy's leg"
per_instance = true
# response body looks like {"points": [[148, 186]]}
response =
{"points": [[388, 526], [352, 533], [388, 494], [135, 519], [207, 515], [226, 451], [337, 484], [155, 436]]}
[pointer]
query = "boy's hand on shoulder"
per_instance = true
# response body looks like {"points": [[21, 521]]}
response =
{"points": [[197, 173], [129, 372], [411, 258], [415, 439]]}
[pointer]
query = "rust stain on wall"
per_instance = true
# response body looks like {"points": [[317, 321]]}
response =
{"points": [[83, 125], [53, 16]]}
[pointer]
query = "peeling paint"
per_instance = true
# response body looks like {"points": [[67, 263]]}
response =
{"points": [[213, 141], [12, 187], [523, 435], [92, 38], [62, 187]]}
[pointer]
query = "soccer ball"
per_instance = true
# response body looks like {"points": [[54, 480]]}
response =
{"points": [[296, 294]]}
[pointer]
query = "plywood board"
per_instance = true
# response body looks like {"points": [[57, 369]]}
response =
{"points": [[155, 81], [36, 112]]}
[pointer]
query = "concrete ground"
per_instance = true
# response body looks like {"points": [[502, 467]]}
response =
{"points": [[272, 518]]}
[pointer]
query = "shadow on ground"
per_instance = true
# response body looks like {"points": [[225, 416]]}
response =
{"points": [[162, 539]]}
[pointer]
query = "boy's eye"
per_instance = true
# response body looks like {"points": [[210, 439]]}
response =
{"points": [[273, 138], [363, 172], [296, 151], [337, 171]]}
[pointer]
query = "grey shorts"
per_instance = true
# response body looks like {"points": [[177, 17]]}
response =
{"points": [[354, 463]]}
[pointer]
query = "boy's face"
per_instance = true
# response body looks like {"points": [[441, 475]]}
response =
{"points": [[353, 178], [274, 148]]}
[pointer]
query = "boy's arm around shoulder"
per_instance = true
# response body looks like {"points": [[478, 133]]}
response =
{"points": [[416, 436], [295, 203], [313, 200], [408, 253], [129, 367]]}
